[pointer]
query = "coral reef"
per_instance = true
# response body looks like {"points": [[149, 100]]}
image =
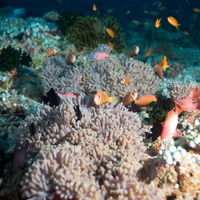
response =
{"points": [[97, 156], [87, 32]]}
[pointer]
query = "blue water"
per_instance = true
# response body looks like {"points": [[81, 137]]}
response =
{"points": [[182, 10]]}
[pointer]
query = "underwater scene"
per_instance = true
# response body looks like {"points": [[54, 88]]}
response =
{"points": [[100, 100]]}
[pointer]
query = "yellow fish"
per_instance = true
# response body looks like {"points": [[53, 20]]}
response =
{"points": [[164, 64], [157, 22], [101, 97], [173, 22]]}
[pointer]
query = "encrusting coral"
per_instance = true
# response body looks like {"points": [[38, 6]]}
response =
{"points": [[95, 157]]}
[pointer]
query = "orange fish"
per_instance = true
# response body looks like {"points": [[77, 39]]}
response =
{"points": [[173, 22], [147, 53], [110, 32], [51, 52], [111, 45], [125, 80], [101, 97], [159, 71], [94, 7], [170, 124], [164, 64], [157, 22], [129, 98], [145, 100]]}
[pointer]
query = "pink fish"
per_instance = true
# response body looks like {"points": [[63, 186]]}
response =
{"points": [[170, 124], [100, 55]]}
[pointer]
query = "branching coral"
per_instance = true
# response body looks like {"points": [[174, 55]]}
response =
{"points": [[87, 32]]}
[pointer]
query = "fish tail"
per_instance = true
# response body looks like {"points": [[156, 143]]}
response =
{"points": [[114, 99]]}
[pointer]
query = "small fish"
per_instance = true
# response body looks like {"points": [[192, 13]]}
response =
{"points": [[51, 52], [110, 32], [135, 21], [196, 10], [148, 52], [94, 7], [101, 55], [134, 51], [32, 129], [52, 97], [161, 8], [128, 12], [157, 22], [111, 45], [145, 100], [159, 71], [71, 58], [164, 64], [125, 80], [78, 113], [101, 97], [170, 124], [7, 12], [129, 98], [173, 22], [186, 33]]}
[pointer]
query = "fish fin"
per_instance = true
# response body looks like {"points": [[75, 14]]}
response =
{"points": [[114, 99], [178, 110], [176, 134]]}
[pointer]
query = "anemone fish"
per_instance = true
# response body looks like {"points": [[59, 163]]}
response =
{"points": [[129, 98], [145, 100], [125, 80], [159, 71], [170, 124], [134, 51], [51, 52], [102, 97], [110, 32], [164, 63], [157, 22], [173, 22]]}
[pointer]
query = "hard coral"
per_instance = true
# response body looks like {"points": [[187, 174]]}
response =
{"points": [[87, 32], [11, 58]]}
